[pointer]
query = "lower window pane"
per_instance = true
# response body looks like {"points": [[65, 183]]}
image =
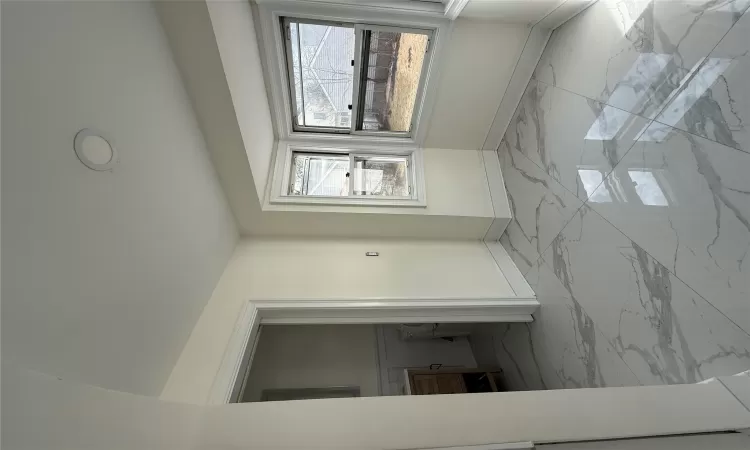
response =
{"points": [[382, 176], [319, 175], [391, 74]]}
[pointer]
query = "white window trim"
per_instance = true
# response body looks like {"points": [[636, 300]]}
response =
{"points": [[275, 64], [283, 165]]}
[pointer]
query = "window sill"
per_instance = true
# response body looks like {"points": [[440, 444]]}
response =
{"points": [[349, 201]]}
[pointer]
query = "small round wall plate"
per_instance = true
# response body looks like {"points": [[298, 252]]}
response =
{"points": [[94, 150]]}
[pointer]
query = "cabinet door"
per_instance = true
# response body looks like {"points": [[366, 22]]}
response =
{"points": [[451, 383], [424, 385]]}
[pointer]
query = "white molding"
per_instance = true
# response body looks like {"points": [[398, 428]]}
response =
{"points": [[526, 63], [278, 179], [244, 335], [563, 12], [238, 355], [454, 7], [498, 195], [425, 9], [274, 65], [506, 265]]}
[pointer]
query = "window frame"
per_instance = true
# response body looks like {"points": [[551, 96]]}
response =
{"points": [[358, 89], [273, 42], [281, 177], [359, 31]]}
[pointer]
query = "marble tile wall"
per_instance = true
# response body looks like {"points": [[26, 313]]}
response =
{"points": [[627, 165]]}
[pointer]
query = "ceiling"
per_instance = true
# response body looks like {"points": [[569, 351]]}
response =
{"points": [[513, 11]]}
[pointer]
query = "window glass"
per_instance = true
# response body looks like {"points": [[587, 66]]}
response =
{"points": [[382, 176], [391, 72], [319, 175], [323, 74]]}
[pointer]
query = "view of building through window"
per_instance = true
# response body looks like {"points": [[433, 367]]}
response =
{"points": [[321, 60], [323, 74]]}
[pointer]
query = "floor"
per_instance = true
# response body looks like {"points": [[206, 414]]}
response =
{"points": [[626, 165]]}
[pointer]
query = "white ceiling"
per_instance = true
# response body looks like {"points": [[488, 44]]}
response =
{"points": [[513, 11]]}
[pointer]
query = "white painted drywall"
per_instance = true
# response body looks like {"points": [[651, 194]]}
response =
{"points": [[478, 64], [41, 412], [104, 273], [437, 421], [238, 46], [191, 37], [44, 412], [314, 356], [268, 269]]}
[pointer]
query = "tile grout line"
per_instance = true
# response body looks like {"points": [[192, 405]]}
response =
{"points": [[546, 264], [598, 328], [650, 122], [586, 202], [661, 110], [540, 259], [733, 394], [654, 116], [592, 210], [673, 274]]}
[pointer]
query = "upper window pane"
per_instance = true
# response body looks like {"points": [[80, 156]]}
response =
{"points": [[391, 72], [321, 57]]}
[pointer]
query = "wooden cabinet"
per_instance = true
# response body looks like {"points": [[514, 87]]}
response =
{"points": [[452, 381]]}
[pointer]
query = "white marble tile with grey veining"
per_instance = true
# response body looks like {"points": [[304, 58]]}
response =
{"points": [[663, 330], [641, 50], [562, 348], [577, 141], [540, 206], [714, 101], [686, 200]]}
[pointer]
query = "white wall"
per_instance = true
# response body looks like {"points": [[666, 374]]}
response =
{"points": [[477, 67], [327, 269], [44, 412], [104, 273], [190, 31], [314, 356], [41, 412], [238, 46]]}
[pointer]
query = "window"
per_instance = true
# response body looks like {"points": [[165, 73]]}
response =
{"points": [[362, 176], [354, 78], [345, 175]]}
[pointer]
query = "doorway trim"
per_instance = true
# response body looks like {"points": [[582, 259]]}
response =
{"points": [[239, 353]]}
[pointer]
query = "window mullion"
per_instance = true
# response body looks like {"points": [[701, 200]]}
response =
{"points": [[351, 175], [357, 88]]}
